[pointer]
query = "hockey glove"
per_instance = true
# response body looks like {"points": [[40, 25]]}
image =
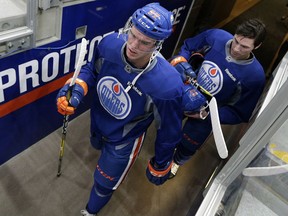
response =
{"points": [[68, 98], [196, 59], [183, 67], [194, 103], [157, 175]]}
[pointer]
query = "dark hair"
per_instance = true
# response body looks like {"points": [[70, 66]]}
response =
{"points": [[253, 29]]}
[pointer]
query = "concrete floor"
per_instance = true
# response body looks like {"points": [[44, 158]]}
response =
{"points": [[29, 185]]}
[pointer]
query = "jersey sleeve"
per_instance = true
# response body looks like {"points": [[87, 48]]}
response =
{"points": [[194, 43], [168, 119], [88, 74]]}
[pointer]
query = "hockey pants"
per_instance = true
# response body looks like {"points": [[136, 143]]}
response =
{"points": [[113, 165]]}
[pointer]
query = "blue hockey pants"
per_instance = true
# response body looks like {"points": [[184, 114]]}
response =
{"points": [[113, 165]]}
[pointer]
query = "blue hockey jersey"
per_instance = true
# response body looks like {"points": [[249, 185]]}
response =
{"points": [[236, 84], [121, 116]]}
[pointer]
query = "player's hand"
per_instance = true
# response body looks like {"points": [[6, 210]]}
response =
{"points": [[192, 99], [157, 175], [202, 114], [183, 67], [196, 59], [68, 98]]}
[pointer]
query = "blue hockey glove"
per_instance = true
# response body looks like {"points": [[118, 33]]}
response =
{"points": [[183, 67], [68, 98], [192, 99], [185, 70], [157, 175]]}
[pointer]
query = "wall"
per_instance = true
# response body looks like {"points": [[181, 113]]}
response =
{"points": [[30, 80]]}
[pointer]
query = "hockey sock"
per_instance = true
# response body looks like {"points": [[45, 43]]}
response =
{"points": [[99, 197], [182, 154]]}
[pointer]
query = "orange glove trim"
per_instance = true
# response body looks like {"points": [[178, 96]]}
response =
{"points": [[177, 60], [158, 173], [197, 54], [82, 83]]}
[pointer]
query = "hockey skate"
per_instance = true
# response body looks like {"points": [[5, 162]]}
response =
{"points": [[84, 212], [174, 170]]}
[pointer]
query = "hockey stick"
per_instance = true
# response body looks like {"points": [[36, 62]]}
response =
{"points": [[66, 117], [217, 130], [265, 171], [216, 126]]}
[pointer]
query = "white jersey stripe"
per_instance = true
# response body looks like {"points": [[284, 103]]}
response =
{"points": [[133, 156]]}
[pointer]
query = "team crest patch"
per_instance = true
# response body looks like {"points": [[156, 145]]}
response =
{"points": [[113, 97], [210, 77]]}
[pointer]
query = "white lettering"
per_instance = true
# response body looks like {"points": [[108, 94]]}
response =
{"points": [[94, 42], [230, 74], [7, 82], [54, 59], [24, 74], [30, 74], [108, 33], [177, 14], [67, 57]]}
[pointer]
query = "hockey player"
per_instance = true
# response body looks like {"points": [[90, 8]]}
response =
{"points": [[134, 86], [229, 71]]}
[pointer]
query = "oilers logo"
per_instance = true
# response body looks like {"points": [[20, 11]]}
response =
{"points": [[113, 97], [210, 77]]}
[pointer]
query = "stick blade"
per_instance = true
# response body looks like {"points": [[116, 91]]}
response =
{"points": [[217, 130]]}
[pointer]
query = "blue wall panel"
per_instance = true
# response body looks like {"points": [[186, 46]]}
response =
{"points": [[30, 80]]}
